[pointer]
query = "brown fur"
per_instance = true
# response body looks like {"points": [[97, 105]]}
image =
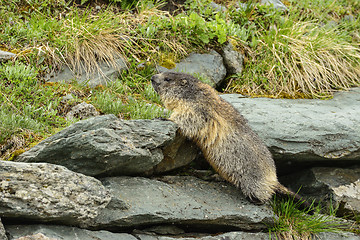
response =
{"points": [[222, 133]]}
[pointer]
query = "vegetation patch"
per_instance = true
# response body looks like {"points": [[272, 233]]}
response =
{"points": [[292, 223]]}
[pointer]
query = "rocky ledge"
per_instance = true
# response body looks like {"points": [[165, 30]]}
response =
{"points": [[106, 178]]}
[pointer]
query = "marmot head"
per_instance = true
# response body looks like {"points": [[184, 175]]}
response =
{"points": [[175, 85]]}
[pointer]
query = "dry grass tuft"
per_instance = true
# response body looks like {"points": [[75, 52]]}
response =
{"points": [[304, 61], [93, 39]]}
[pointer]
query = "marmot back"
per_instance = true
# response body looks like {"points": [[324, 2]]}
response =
{"points": [[222, 133]]}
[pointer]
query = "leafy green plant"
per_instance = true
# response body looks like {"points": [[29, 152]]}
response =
{"points": [[18, 74]]}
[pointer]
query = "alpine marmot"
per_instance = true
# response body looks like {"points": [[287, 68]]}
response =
{"points": [[224, 136]]}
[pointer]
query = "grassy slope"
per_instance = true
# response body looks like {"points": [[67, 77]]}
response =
{"points": [[309, 51]]}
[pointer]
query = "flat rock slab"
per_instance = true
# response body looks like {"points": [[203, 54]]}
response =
{"points": [[105, 145], [305, 129], [225, 236], [63, 233], [337, 236], [341, 187], [49, 193], [140, 202]]}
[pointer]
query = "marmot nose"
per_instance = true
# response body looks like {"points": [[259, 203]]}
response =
{"points": [[155, 78]]}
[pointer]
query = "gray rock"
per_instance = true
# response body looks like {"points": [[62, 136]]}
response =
{"points": [[349, 18], [6, 55], [64, 233], [105, 145], [139, 202], [277, 4], [49, 193], [67, 97], [337, 236], [303, 130], [341, 187], [208, 67], [233, 59], [224, 236], [2, 232], [180, 152], [82, 111], [106, 73], [217, 7], [37, 236]]}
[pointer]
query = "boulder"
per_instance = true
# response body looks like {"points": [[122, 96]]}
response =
{"points": [[106, 145], [106, 73], [338, 186], [184, 201], [233, 59], [208, 67], [82, 111], [49, 193], [305, 130]]}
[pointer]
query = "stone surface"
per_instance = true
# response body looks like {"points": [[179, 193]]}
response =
{"points": [[233, 59], [105, 145], [2, 232], [139, 202], [217, 7], [277, 4], [64, 233], [305, 130], [337, 236], [49, 193], [349, 18], [82, 111], [106, 73], [209, 67], [37, 236], [225, 236], [6, 55], [333, 185], [180, 152]]}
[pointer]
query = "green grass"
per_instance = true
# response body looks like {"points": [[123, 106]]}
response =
{"points": [[292, 223], [130, 99]]}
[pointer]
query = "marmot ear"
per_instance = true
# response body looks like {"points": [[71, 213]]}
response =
{"points": [[183, 82]]}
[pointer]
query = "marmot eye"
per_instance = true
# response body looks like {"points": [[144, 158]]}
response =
{"points": [[167, 79]]}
